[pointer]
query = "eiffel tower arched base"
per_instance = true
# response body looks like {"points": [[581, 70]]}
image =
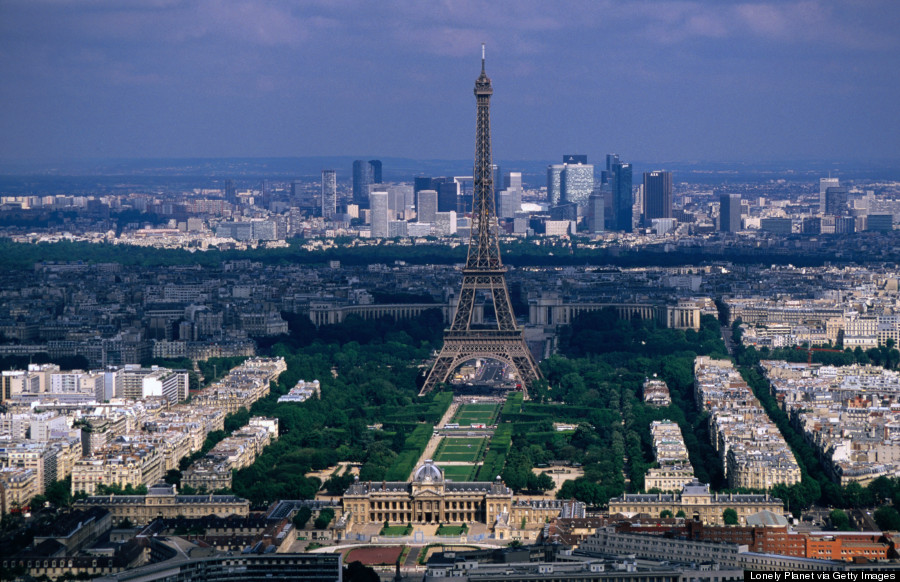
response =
{"points": [[461, 346]]}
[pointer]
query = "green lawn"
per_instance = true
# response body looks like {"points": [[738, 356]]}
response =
{"points": [[459, 472], [469, 414], [465, 450], [395, 530], [451, 530]]}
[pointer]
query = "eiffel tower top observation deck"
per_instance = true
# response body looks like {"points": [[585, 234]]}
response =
{"points": [[484, 273]]}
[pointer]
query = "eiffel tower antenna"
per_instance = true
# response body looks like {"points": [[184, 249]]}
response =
{"points": [[484, 272]]}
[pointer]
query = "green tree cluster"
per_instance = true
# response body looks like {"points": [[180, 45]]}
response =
{"points": [[302, 517], [362, 384], [324, 518], [596, 384]]}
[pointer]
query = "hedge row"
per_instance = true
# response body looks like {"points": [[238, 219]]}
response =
{"points": [[513, 403], [423, 412], [557, 411], [495, 458], [412, 450]]}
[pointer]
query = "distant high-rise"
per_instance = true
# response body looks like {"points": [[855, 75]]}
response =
{"points": [[397, 200], [448, 195], [329, 193], [595, 212], [230, 192], [836, 198], [426, 205], [364, 175], [265, 194], [606, 175], [512, 180], [577, 182], [623, 201], [554, 183], [509, 199], [657, 195], [422, 183], [381, 214], [463, 200], [638, 203], [509, 202], [376, 171], [730, 212], [571, 182], [824, 185]]}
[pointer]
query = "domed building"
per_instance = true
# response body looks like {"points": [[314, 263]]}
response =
{"points": [[427, 499], [431, 499]]}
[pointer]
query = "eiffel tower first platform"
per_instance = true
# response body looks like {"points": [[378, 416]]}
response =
{"points": [[484, 273]]}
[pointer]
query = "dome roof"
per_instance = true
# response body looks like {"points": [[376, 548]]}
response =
{"points": [[428, 472]]}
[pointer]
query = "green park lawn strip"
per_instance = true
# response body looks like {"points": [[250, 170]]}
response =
{"points": [[459, 472], [469, 414], [458, 449]]}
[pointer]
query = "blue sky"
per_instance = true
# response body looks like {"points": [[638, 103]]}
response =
{"points": [[652, 80]]}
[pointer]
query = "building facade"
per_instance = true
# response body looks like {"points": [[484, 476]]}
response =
{"points": [[163, 501], [381, 215], [730, 212], [695, 502], [657, 195], [329, 193], [623, 200], [431, 499]]}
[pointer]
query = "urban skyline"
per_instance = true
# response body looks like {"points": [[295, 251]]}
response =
{"points": [[658, 80], [302, 377]]}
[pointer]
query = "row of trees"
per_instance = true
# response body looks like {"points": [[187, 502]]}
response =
{"points": [[550, 252], [367, 380], [596, 384]]}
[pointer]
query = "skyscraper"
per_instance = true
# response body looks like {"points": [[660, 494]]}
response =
{"points": [[571, 182], [426, 206], [730, 212], [364, 175], [575, 159], [595, 212], [623, 202], [554, 183], [376, 171], [509, 202], [265, 194], [378, 203], [448, 194], [329, 193], [296, 193], [422, 183], [836, 199], [657, 195], [606, 175], [577, 182], [230, 192], [512, 180], [362, 178], [824, 185]]}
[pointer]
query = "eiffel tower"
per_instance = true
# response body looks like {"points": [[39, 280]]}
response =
{"points": [[483, 272]]}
